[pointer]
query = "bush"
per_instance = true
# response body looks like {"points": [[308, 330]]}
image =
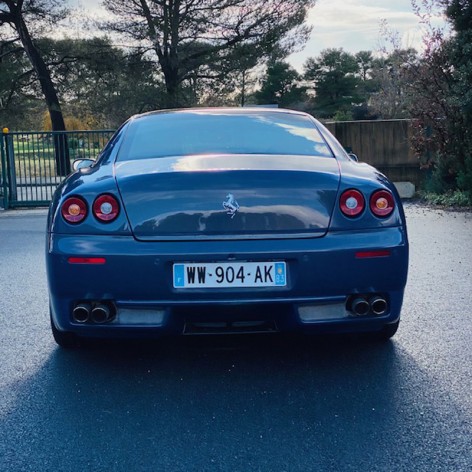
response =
{"points": [[464, 179], [455, 198], [440, 178]]}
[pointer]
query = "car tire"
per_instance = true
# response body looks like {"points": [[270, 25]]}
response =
{"points": [[386, 332], [64, 339]]}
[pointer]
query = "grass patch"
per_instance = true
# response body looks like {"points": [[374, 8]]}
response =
{"points": [[455, 198]]}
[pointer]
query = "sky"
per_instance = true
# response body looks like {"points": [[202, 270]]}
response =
{"points": [[354, 25]]}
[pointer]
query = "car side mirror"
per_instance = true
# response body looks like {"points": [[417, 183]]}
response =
{"points": [[82, 163], [353, 157]]}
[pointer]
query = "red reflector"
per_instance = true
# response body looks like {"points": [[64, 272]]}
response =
{"points": [[86, 260], [371, 254]]}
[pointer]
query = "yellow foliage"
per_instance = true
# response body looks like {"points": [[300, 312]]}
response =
{"points": [[73, 123]]}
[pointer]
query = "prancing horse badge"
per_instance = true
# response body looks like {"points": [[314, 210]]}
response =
{"points": [[230, 205]]}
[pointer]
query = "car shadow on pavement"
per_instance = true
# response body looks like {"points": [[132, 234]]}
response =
{"points": [[219, 403]]}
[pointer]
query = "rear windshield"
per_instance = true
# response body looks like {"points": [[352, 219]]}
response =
{"points": [[190, 133]]}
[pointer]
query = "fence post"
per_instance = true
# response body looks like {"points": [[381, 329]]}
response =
{"points": [[11, 169], [4, 173]]}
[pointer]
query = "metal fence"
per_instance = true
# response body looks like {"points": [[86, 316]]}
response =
{"points": [[33, 164]]}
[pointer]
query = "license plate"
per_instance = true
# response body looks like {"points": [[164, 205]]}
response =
{"points": [[230, 274]]}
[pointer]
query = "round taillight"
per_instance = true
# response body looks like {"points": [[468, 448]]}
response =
{"points": [[106, 208], [382, 203], [74, 210], [352, 203]]}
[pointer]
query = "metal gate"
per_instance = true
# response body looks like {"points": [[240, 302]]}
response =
{"points": [[33, 164]]}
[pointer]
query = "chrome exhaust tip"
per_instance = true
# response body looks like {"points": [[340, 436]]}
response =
{"points": [[379, 305], [100, 314], [81, 312], [360, 306]]}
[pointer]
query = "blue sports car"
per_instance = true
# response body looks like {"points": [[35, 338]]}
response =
{"points": [[224, 221]]}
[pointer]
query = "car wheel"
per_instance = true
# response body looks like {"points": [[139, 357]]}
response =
{"points": [[386, 332], [64, 339]]}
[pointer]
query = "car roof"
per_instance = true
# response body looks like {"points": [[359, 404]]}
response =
{"points": [[221, 110]]}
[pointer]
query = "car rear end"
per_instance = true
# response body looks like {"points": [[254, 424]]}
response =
{"points": [[192, 242]]}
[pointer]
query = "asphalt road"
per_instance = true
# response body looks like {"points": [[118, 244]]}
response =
{"points": [[244, 404]]}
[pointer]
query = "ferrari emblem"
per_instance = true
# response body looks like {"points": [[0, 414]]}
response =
{"points": [[230, 205]]}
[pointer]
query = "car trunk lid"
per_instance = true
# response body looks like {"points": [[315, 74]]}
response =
{"points": [[228, 196]]}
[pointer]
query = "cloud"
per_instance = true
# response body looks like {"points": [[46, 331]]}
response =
{"points": [[354, 25]]}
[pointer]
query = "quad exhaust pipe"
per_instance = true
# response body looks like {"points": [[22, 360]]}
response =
{"points": [[95, 312], [100, 314], [81, 312], [378, 305], [362, 306]]}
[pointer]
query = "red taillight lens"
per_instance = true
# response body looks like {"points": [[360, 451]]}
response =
{"points": [[74, 210], [382, 203], [106, 208], [352, 203]]}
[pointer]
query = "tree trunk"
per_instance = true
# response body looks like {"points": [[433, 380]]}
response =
{"points": [[61, 148], [172, 81], [243, 89]]}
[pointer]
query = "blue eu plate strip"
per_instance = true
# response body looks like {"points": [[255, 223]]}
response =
{"points": [[280, 274], [179, 275]]}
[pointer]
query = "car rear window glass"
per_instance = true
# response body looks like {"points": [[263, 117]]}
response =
{"points": [[197, 132]]}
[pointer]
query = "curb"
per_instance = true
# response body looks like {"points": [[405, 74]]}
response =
{"points": [[22, 212]]}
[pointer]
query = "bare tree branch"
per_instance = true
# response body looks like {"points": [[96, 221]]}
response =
{"points": [[188, 34]]}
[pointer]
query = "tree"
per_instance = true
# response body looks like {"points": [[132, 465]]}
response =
{"points": [[18, 14], [335, 74], [281, 85], [366, 86], [191, 38], [16, 101], [98, 84], [390, 85], [441, 98], [459, 13], [365, 64], [96, 79], [240, 71]]}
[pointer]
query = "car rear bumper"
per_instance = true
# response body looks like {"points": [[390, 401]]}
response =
{"points": [[136, 278]]}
